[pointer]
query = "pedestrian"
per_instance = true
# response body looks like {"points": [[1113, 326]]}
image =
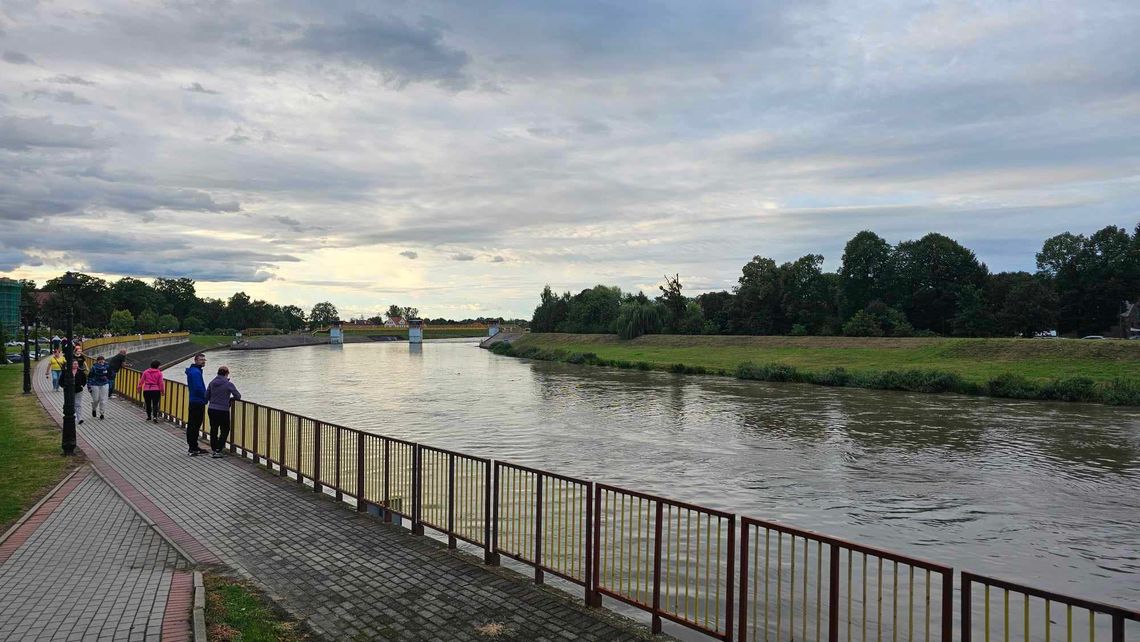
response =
{"points": [[150, 383], [97, 384], [219, 393], [197, 385], [56, 364], [79, 379], [113, 367], [55, 342]]}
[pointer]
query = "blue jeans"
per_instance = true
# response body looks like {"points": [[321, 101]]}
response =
{"points": [[55, 379]]}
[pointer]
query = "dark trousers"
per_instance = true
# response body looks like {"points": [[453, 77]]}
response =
{"points": [[219, 428], [150, 400], [194, 425], [111, 384]]}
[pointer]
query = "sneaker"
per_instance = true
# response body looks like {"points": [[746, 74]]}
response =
{"points": [[194, 453], [148, 418], [92, 414], [101, 417], [79, 422], [217, 455]]}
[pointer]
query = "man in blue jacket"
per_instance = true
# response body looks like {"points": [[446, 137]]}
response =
{"points": [[197, 385]]}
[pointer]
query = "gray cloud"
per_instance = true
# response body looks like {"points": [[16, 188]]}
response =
{"points": [[17, 58], [409, 254], [19, 133], [62, 96], [291, 223], [463, 257], [199, 89], [70, 80], [497, 259], [401, 52]]}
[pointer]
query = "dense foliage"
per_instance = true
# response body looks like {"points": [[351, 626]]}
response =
{"points": [[924, 287]]}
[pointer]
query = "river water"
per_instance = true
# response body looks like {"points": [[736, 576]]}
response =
{"points": [[1042, 493]]}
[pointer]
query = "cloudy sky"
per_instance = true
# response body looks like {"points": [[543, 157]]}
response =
{"points": [[459, 155]]}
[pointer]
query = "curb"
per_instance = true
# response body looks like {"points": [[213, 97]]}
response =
{"points": [[32, 511], [145, 518], [199, 616]]}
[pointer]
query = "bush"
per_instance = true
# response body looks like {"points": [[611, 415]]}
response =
{"points": [[799, 330], [642, 365], [1120, 392], [1012, 386], [833, 377], [1071, 389], [770, 372], [862, 325]]}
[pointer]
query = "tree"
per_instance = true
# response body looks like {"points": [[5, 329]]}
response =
{"points": [[122, 322], [239, 311], [179, 296], [551, 311], [865, 272], [807, 297], [1028, 306], [862, 324], [293, 317], [393, 312], [168, 323], [715, 309], [148, 321], [322, 314], [91, 305], [757, 308], [929, 274], [134, 296], [592, 311], [637, 318], [193, 324], [974, 318], [1092, 277], [673, 303]]}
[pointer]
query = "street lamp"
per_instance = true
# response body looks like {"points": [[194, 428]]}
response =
{"points": [[27, 361], [68, 284]]}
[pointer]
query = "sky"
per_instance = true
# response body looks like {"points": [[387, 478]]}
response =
{"points": [[457, 156]]}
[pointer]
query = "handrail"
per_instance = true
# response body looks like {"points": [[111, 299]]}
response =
{"points": [[127, 338], [648, 551]]}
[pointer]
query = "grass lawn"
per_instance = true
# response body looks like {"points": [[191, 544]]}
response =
{"points": [[975, 360], [237, 611], [30, 461]]}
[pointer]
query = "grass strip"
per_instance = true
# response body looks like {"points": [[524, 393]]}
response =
{"points": [[235, 610], [1102, 372], [30, 461]]}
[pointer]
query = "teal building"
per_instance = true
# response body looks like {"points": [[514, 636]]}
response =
{"points": [[10, 305]]}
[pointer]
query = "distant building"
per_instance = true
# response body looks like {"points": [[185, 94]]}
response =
{"points": [[396, 322], [10, 304], [1129, 325]]}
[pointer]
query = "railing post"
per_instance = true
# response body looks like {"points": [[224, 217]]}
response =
{"points": [[966, 607], [595, 580], [1117, 627], [450, 500], [317, 457], [744, 538], [281, 467], [833, 595], [948, 606], [256, 449], [592, 598], [491, 513], [656, 625], [387, 474], [417, 489], [233, 427], [538, 574], [361, 504], [728, 594], [300, 430], [339, 492]]}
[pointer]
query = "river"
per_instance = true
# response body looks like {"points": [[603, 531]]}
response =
{"points": [[1042, 493]]}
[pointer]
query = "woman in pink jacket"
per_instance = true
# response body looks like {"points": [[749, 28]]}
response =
{"points": [[152, 389]]}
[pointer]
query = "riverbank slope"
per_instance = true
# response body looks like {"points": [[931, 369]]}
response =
{"points": [[1106, 370]]}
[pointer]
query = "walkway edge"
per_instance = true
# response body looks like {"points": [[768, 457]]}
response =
{"points": [[43, 500], [199, 617], [145, 518]]}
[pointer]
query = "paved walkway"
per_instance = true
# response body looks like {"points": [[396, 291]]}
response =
{"points": [[86, 566], [349, 576]]}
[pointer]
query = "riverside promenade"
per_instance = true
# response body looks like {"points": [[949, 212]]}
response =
{"points": [[348, 576]]}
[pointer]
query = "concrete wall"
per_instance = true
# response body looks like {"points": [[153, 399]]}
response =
{"points": [[110, 349]]}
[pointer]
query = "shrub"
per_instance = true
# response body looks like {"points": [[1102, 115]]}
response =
{"points": [[863, 325], [799, 330], [769, 372], [642, 365], [1072, 389], [1120, 392], [1013, 386], [833, 377]]}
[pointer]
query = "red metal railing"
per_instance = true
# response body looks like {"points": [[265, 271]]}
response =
{"points": [[1047, 622], [676, 561]]}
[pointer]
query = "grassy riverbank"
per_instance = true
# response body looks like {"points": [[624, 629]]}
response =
{"points": [[1073, 370], [30, 463]]}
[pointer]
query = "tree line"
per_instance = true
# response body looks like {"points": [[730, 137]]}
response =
{"points": [[932, 286], [131, 305]]}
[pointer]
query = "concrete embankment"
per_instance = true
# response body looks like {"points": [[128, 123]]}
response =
{"points": [[167, 355], [294, 340], [509, 337]]}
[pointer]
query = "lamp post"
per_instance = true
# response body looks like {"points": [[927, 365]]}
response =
{"points": [[27, 361], [68, 283]]}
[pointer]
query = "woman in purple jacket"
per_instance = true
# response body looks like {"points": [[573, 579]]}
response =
{"points": [[218, 395]]}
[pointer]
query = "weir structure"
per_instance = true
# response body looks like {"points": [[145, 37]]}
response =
{"points": [[730, 577]]}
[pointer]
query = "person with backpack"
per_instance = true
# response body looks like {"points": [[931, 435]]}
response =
{"points": [[151, 385], [97, 385], [197, 407], [218, 394]]}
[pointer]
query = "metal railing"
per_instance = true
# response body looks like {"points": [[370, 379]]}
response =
{"points": [[1043, 623], [711, 571]]}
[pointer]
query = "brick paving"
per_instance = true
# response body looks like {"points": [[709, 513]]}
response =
{"points": [[347, 575], [87, 567]]}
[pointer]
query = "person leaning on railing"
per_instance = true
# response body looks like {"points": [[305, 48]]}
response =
{"points": [[196, 384], [218, 394], [113, 367]]}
